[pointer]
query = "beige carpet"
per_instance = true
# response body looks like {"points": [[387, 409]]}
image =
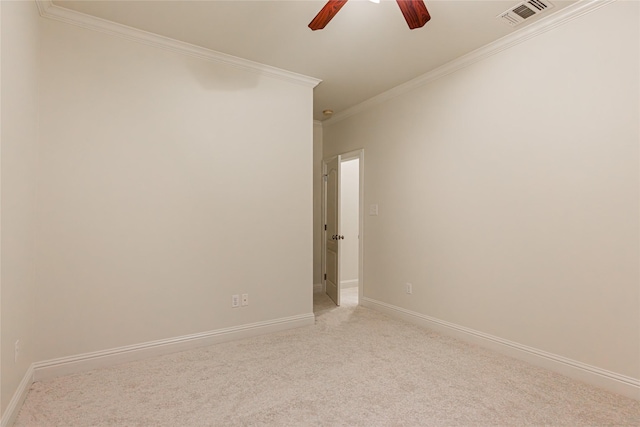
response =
{"points": [[354, 367]]}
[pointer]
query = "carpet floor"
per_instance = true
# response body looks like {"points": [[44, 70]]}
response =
{"points": [[354, 367]]}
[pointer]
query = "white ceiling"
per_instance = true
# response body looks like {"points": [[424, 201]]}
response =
{"points": [[365, 50]]}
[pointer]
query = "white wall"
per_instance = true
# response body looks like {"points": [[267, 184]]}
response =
{"points": [[19, 23], [167, 184], [349, 228], [509, 193]]}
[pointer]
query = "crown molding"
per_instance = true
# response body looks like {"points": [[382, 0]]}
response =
{"points": [[563, 16], [49, 10]]}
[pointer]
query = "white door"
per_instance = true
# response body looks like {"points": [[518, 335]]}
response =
{"points": [[331, 233]]}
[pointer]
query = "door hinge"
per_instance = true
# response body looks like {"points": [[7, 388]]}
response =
{"points": [[325, 276], [325, 227], [325, 177]]}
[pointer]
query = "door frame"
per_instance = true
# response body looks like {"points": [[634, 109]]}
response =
{"points": [[350, 155], [335, 243]]}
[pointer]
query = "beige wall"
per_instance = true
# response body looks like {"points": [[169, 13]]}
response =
{"points": [[317, 203], [18, 194], [167, 184], [349, 201], [509, 193]]}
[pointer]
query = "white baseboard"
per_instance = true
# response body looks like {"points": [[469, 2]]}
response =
{"points": [[101, 359], [598, 377], [344, 284], [11, 413]]}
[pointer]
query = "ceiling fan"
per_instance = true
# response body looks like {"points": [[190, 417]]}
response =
{"points": [[414, 11]]}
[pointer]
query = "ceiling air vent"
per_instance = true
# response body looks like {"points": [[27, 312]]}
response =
{"points": [[521, 12]]}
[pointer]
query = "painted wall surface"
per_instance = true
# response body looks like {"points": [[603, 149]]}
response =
{"points": [[349, 201], [317, 204], [167, 184], [508, 193], [19, 23]]}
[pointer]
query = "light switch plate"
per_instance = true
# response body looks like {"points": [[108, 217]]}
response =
{"points": [[373, 210]]}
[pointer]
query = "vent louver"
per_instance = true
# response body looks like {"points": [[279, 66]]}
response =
{"points": [[525, 10]]}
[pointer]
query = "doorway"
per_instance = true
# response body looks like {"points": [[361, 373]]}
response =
{"points": [[343, 201]]}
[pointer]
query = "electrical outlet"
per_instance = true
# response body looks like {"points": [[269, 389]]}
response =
{"points": [[235, 301], [245, 300], [17, 349], [409, 288]]}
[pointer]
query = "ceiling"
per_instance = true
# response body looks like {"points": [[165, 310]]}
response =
{"points": [[365, 50]]}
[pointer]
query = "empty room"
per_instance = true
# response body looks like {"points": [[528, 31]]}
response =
{"points": [[361, 213]]}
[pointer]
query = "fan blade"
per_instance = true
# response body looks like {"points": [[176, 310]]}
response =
{"points": [[326, 14], [415, 12]]}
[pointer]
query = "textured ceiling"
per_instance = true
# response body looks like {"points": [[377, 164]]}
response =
{"points": [[365, 50]]}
